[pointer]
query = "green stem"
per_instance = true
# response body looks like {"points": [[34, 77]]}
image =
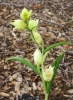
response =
{"points": [[31, 34], [38, 67], [42, 48], [34, 39], [46, 96], [44, 85], [43, 81]]}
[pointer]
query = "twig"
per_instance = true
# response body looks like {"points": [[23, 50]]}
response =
{"points": [[3, 82], [65, 71], [67, 81], [71, 98], [16, 97], [51, 21], [69, 53], [12, 4]]}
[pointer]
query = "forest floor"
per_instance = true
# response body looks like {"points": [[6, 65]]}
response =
{"points": [[55, 25]]}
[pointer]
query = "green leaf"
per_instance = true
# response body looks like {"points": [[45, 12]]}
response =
{"points": [[71, 22], [54, 45], [55, 64], [26, 62]]}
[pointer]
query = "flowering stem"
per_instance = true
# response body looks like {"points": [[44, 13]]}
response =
{"points": [[46, 96], [34, 40], [43, 84], [43, 81], [42, 48], [31, 34], [39, 70], [45, 89]]}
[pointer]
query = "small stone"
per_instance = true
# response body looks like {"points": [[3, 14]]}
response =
{"points": [[34, 86]]}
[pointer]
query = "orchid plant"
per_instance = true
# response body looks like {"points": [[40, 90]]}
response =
{"points": [[47, 75]]}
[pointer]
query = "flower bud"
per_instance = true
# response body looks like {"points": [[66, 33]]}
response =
{"points": [[20, 25], [37, 37], [32, 24], [48, 74], [38, 57], [25, 15]]}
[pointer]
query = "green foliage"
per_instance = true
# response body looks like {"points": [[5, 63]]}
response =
{"points": [[55, 64], [71, 22], [54, 45], [26, 62]]}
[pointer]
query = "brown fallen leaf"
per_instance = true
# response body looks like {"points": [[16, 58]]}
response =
{"points": [[72, 81], [13, 82], [43, 25], [62, 39], [34, 86], [37, 6], [66, 46], [72, 66], [4, 94], [58, 78], [70, 56], [11, 78], [35, 78], [70, 91], [17, 88]]}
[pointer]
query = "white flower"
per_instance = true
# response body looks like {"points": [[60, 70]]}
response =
{"points": [[32, 24], [19, 24], [48, 74], [25, 14], [37, 37], [38, 57]]}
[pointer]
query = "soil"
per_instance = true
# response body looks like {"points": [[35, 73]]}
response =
{"points": [[55, 25], [28, 97]]}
